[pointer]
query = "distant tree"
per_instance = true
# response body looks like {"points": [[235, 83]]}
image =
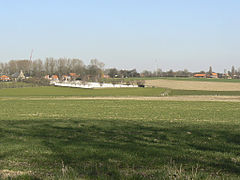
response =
{"points": [[98, 64], [210, 70], [24, 65], [78, 67], [233, 72], [95, 70], [37, 68], [1, 67], [47, 66], [5, 68], [171, 73], [123, 73], [62, 66], [158, 73], [134, 73], [129, 73], [12, 67], [147, 73], [113, 72], [52, 66], [238, 72], [184, 73]]}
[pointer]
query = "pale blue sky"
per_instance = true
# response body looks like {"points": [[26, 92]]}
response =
{"points": [[142, 34]]}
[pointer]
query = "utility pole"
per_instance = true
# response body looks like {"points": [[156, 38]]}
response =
{"points": [[31, 55], [30, 59]]}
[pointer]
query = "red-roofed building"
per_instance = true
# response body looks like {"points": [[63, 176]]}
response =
{"points": [[54, 78], [4, 78], [200, 75], [73, 76], [214, 75], [66, 78], [47, 77]]}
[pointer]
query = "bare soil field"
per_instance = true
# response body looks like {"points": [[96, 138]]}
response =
{"points": [[194, 85]]}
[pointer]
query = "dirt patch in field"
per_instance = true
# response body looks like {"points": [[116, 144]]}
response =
{"points": [[166, 98], [5, 173], [194, 85]]}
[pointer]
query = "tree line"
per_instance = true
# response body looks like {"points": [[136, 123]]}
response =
{"points": [[51, 66], [233, 73], [94, 71]]}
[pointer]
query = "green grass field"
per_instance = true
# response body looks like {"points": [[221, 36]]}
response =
{"points": [[116, 139], [65, 91], [175, 92], [109, 139], [51, 91]]}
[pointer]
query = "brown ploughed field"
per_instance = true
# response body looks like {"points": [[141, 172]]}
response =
{"points": [[194, 85]]}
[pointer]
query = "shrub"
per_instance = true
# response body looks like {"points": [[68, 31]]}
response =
{"points": [[38, 81]]}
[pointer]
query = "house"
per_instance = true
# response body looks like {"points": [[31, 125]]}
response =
{"points": [[4, 78], [227, 76], [66, 78], [73, 76], [200, 75], [106, 76], [54, 78], [21, 75], [47, 77], [213, 75], [18, 76]]}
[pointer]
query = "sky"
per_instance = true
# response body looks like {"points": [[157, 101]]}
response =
{"points": [[126, 34]]}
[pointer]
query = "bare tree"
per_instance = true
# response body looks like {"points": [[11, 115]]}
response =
{"points": [[52, 65], [37, 68], [233, 72], [62, 66], [95, 70], [12, 67], [210, 70], [47, 66], [78, 67]]}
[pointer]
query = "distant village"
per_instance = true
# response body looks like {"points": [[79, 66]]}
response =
{"points": [[20, 76], [65, 70]]}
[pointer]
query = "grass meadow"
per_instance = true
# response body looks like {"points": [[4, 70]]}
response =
{"points": [[51, 91], [110, 139], [116, 139]]}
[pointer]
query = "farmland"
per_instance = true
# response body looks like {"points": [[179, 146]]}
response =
{"points": [[194, 85], [174, 78], [51, 91], [48, 133]]}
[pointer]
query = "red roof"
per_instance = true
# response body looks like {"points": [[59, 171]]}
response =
{"points": [[73, 74], [4, 76], [54, 77], [199, 75]]}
